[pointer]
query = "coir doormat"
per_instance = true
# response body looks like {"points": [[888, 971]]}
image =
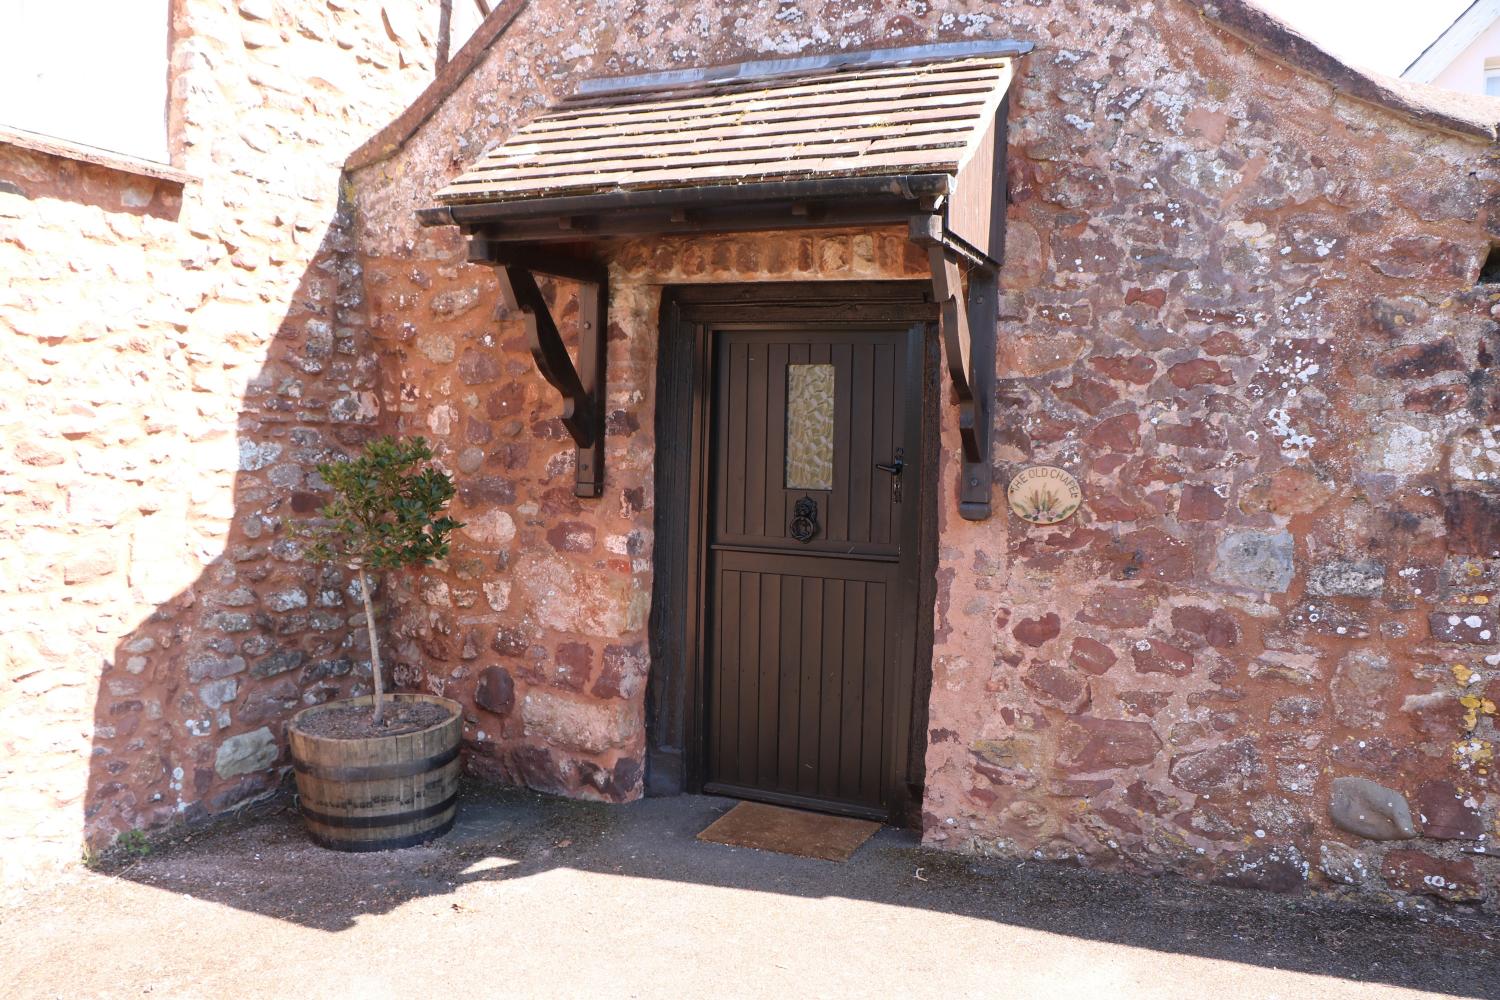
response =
{"points": [[790, 831]]}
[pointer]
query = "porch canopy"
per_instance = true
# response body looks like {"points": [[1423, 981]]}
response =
{"points": [[910, 136]]}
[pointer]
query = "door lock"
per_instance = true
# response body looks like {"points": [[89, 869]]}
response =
{"points": [[894, 467]]}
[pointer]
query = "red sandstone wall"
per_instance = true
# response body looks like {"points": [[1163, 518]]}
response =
{"points": [[537, 621], [177, 358], [1240, 308], [1244, 315]]}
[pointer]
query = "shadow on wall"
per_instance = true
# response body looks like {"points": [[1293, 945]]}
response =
{"points": [[190, 713], [264, 865], [191, 710]]}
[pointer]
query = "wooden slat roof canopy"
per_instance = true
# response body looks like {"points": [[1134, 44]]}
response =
{"points": [[838, 121], [877, 131], [912, 136]]}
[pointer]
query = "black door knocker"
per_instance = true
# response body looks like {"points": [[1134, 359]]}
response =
{"points": [[805, 520]]}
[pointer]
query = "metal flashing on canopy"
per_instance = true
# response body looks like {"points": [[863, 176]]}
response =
{"points": [[911, 137], [767, 68]]}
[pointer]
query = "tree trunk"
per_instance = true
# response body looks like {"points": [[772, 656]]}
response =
{"points": [[375, 668]]}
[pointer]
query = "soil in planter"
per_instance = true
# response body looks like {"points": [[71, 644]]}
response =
{"points": [[355, 722]]}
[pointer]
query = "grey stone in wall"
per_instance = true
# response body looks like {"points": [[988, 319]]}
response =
{"points": [[216, 694], [1347, 578], [1342, 863], [252, 751], [1255, 560], [287, 600], [1371, 810], [206, 667], [278, 662]]}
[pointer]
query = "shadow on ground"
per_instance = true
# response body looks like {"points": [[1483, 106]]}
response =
{"points": [[262, 862]]}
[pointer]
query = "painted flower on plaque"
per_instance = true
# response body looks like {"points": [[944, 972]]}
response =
{"points": [[1044, 494]]}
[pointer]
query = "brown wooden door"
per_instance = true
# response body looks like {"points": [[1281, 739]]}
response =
{"points": [[813, 520]]}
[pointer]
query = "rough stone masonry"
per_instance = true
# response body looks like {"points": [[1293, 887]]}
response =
{"points": [[1242, 308], [177, 359], [1245, 305]]}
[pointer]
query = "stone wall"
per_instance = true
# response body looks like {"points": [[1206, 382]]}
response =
{"points": [[1244, 313], [537, 620], [1240, 307], [178, 355]]}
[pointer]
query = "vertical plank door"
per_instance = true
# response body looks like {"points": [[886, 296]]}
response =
{"points": [[812, 515]]}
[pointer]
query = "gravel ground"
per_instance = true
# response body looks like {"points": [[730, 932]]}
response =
{"points": [[531, 896]]}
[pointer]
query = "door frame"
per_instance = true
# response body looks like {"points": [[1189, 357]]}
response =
{"points": [[675, 754]]}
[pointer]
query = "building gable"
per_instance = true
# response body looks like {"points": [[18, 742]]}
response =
{"points": [[1448, 46]]}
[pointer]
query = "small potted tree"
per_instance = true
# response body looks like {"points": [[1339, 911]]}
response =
{"points": [[381, 771]]}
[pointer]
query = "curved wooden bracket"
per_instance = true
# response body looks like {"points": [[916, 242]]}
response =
{"points": [[968, 316], [958, 345], [581, 387]]}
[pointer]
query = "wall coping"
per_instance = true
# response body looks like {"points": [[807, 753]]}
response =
{"points": [[389, 140], [108, 159], [1468, 115]]}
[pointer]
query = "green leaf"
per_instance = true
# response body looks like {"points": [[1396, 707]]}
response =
{"points": [[387, 507]]}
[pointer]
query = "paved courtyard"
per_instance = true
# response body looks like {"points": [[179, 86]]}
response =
{"points": [[531, 896]]}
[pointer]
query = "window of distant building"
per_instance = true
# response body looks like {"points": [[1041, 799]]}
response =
{"points": [[1492, 77], [89, 72]]}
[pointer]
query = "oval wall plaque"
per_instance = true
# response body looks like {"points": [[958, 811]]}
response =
{"points": [[1044, 494]]}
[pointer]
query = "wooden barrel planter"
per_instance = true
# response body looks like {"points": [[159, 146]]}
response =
{"points": [[381, 793]]}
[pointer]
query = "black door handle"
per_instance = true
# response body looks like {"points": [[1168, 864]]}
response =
{"points": [[894, 467]]}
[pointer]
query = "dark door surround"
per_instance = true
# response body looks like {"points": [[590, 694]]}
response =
{"points": [[675, 710]]}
